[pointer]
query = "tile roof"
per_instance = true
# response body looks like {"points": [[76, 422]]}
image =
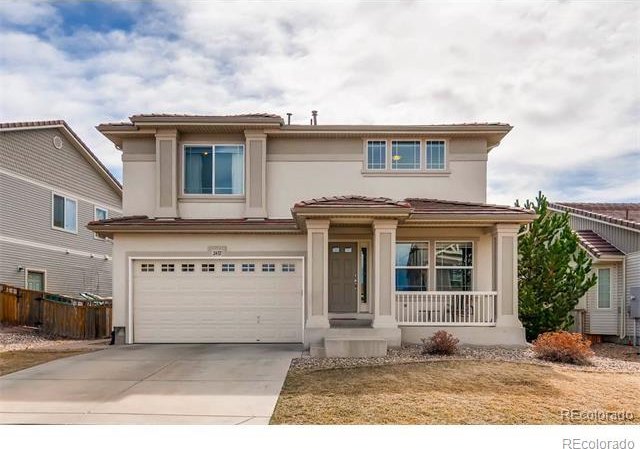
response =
{"points": [[623, 214], [138, 221], [351, 201], [434, 206], [596, 244]]}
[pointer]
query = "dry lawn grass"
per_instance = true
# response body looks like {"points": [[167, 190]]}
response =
{"points": [[18, 360], [451, 392]]}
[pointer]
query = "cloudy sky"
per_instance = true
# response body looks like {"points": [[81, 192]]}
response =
{"points": [[565, 74]]}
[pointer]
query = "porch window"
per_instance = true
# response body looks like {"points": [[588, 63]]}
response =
{"points": [[214, 169], [454, 266], [412, 266], [435, 155], [604, 288], [405, 155], [376, 155]]}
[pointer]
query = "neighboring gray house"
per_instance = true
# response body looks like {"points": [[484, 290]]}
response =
{"points": [[51, 186], [610, 233]]}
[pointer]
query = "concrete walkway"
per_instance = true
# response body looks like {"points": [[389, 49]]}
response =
{"points": [[151, 384]]}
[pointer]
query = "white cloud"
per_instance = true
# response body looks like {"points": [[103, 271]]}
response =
{"points": [[564, 74]]}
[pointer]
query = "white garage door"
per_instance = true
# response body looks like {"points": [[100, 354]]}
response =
{"points": [[214, 301]]}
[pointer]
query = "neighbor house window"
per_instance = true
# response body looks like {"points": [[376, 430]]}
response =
{"points": [[435, 154], [376, 155], [99, 214], [454, 266], [214, 169], [604, 288], [405, 155], [65, 212], [412, 266]]}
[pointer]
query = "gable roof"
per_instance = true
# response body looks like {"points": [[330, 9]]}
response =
{"points": [[75, 141], [622, 214], [597, 245]]}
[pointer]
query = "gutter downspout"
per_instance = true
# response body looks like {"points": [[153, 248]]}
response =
{"points": [[623, 308]]}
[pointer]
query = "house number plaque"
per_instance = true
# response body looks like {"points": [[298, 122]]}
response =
{"points": [[217, 250]]}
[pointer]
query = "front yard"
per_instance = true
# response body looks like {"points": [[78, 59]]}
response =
{"points": [[22, 347], [454, 392]]}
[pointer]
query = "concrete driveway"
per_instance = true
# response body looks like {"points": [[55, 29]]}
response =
{"points": [[151, 384]]}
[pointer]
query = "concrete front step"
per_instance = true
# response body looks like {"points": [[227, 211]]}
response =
{"points": [[355, 347]]}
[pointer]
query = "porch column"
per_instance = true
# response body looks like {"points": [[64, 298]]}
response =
{"points": [[505, 274], [166, 173], [318, 273], [384, 279]]}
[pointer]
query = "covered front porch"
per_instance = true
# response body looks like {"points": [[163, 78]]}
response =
{"points": [[378, 268]]}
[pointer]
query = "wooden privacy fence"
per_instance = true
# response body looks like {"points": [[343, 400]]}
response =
{"points": [[54, 314]]}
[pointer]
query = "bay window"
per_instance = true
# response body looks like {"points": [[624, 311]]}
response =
{"points": [[214, 169], [412, 266], [454, 266]]}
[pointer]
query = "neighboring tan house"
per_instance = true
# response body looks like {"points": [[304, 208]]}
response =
{"points": [[610, 233], [51, 186], [245, 229]]}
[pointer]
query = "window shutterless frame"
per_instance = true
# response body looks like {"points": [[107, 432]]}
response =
{"points": [[213, 195], [422, 169], [437, 267], [96, 213], [426, 267], [65, 199], [444, 155], [598, 289]]}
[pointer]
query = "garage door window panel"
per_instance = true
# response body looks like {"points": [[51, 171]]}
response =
{"points": [[228, 267]]}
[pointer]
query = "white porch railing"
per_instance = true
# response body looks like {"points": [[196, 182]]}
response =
{"points": [[446, 308]]}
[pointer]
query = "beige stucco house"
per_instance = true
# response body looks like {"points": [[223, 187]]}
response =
{"points": [[246, 229]]}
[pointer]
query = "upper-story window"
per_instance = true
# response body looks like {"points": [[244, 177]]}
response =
{"points": [[214, 169], [65, 213], [405, 155], [377, 155], [435, 154], [99, 214]]}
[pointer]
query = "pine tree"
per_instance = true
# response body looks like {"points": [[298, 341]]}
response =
{"points": [[554, 272]]}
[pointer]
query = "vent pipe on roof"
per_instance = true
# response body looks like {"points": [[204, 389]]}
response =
{"points": [[289, 118], [314, 121]]}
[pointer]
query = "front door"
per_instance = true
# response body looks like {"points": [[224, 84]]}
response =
{"points": [[35, 280], [343, 277]]}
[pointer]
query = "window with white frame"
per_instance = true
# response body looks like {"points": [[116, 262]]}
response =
{"points": [[214, 169], [99, 214], [376, 155], [412, 266], [604, 288], [65, 213], [405, 155], [454, 266], [435, 150]]}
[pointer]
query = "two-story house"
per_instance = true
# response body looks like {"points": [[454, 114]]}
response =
{"points": [[610, 233], [246, 229], [51, 186]]}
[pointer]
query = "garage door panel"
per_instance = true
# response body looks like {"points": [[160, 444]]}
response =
{"points": [[215, 306]]}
